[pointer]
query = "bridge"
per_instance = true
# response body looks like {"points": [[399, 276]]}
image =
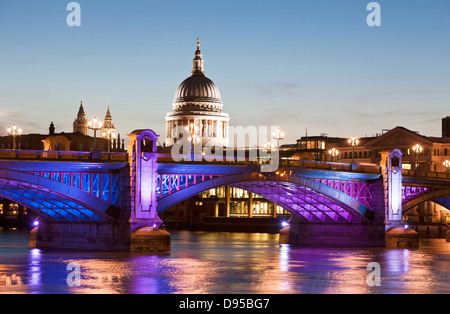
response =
{"points": [[111, 201]]}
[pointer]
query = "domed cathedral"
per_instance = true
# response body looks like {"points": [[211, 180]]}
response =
{"points": [[198, 103]]}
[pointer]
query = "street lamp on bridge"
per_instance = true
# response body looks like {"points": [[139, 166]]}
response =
{"points": [[333, 153], [354, 142], [14, 131], [95, 125], [417, 149], [269, 147], [193, 138], [447, 165], [110, 136], [279, 136]]}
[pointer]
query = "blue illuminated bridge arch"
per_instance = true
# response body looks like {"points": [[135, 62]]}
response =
{"points": [[307, 199], [55, 201]]}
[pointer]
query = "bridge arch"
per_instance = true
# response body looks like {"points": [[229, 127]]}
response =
{"points": [[309, 200], [441, 197], [53, 200]]}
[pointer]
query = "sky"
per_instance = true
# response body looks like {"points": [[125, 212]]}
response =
{"points": [[302, 65]]}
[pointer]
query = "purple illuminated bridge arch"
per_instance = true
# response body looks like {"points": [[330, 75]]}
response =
{"points": [[423, 187], [441, 196], [307, 199]]}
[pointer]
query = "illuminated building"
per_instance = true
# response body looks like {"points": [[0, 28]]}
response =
{"points": [[198, 102]]}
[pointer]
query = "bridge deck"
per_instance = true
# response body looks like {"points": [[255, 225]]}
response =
{"points": [[62, 156]]}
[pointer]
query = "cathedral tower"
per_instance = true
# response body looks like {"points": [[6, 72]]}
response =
{"points": [[80, 123], [108, 125]]}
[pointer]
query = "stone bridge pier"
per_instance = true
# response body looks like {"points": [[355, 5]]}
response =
{"points": [[147, 234]]}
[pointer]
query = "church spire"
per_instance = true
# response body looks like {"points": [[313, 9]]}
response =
{"points": [[198, 69], [80, 123], [108, 115], [81, 110], [108, 128]]}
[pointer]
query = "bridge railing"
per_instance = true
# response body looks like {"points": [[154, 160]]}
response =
{"points": [[285, 163], [426, 174], [331, 166], [62, 156], [169, 158]]}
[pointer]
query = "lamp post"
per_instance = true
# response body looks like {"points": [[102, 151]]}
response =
{"points": [[447, 165], [110, 136], [14, 131], [279, 136], [417, 149], [269, 146], [193, 138], [354, 142], [333, 153], [95, 125]]}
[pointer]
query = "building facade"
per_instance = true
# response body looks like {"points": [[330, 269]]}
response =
{"points": [[435, 150]]}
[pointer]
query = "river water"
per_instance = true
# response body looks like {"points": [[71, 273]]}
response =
{"points": [[228, 263]]}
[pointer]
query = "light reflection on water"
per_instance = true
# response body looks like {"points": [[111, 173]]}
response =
{"points": [[202, 262]]}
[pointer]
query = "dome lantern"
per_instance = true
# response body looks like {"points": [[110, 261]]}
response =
{"points": [[199, 65]]}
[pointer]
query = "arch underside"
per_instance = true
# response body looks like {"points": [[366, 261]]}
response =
{"points": [[443, 201], [304, 203], [441, 197], [310, 201], [53, 200]]}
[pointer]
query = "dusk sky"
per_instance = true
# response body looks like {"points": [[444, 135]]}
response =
{"points": [[303, 64]]}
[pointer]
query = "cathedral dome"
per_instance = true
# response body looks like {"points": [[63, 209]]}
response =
{"points": [[198, 89], [198, 104]]}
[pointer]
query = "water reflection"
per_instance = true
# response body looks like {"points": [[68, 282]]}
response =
{"points": [[236, 263], [34, 270]]}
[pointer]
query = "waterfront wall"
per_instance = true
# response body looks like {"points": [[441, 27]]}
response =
{"points": [[81, 236], [99, 237]]}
